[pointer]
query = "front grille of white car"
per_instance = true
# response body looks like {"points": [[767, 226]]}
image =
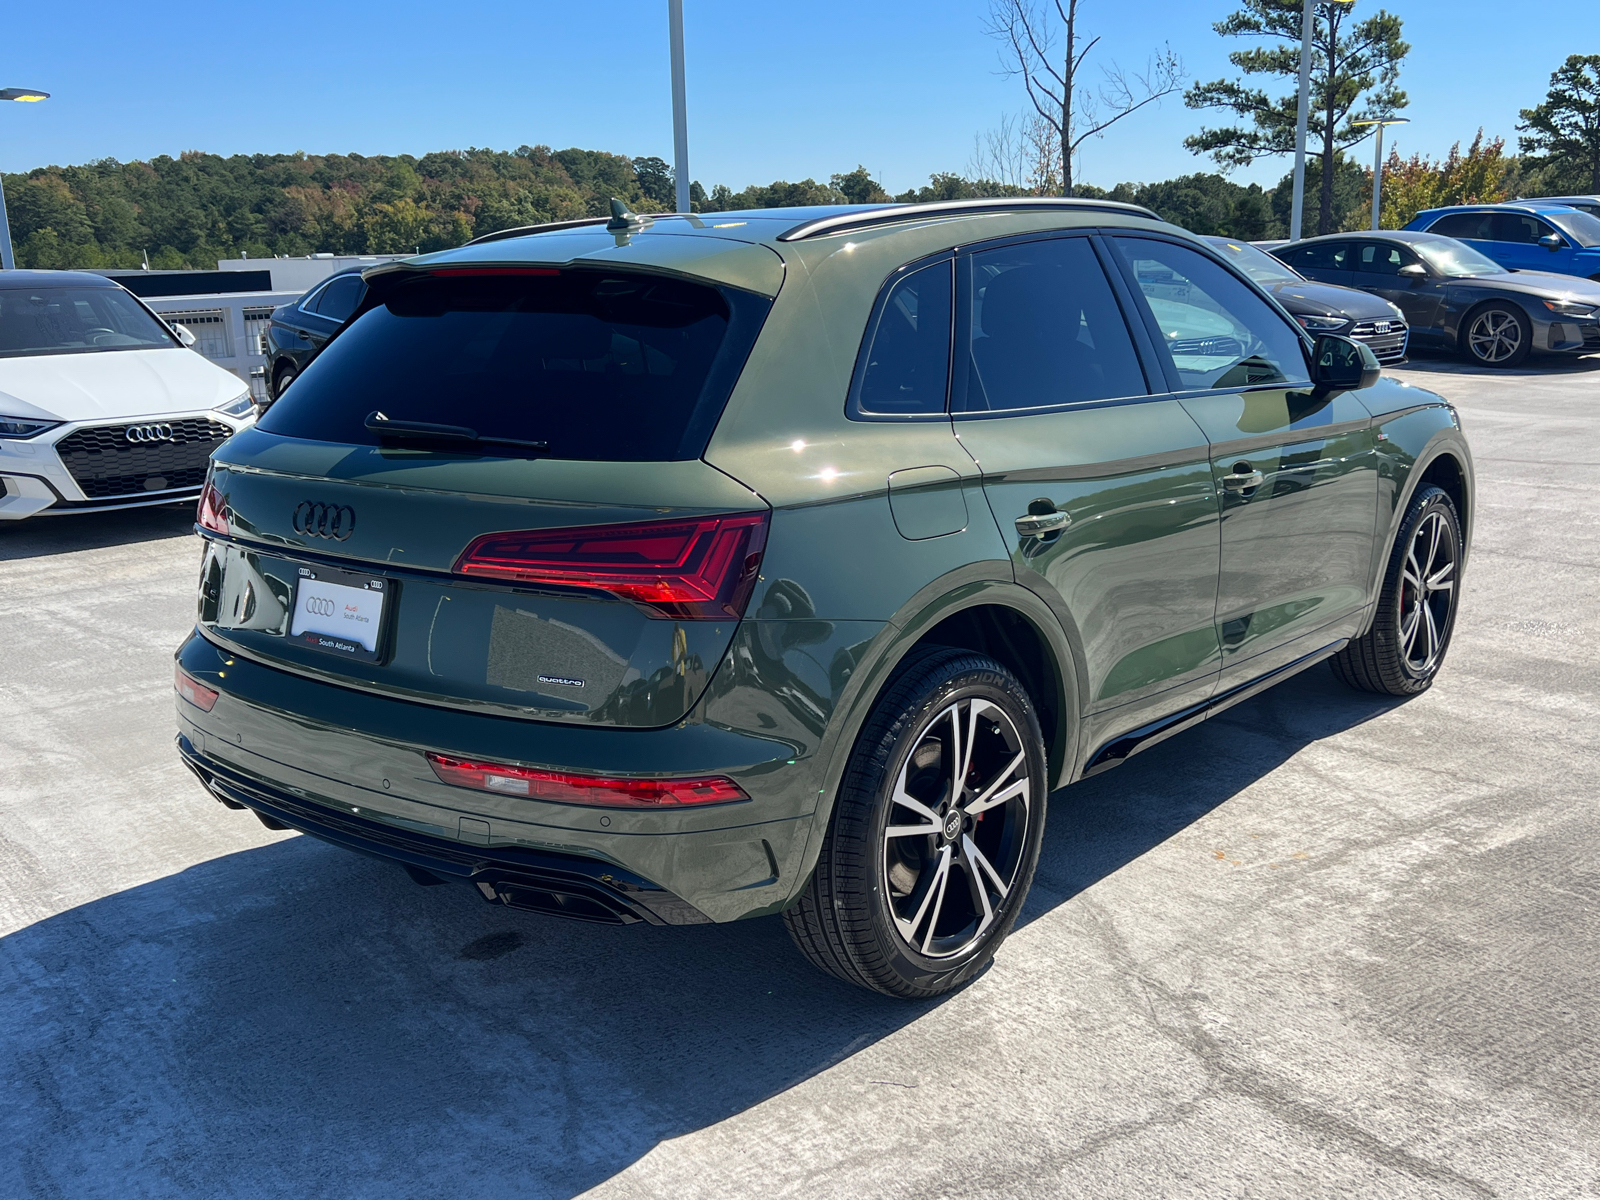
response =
{"points": [[138, 457]]}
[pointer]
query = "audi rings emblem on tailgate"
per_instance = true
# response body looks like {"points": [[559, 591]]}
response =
{"points": [[148, 433], [335, 521]]}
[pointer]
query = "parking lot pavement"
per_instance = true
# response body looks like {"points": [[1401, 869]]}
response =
{"points": [[1325, 945]]}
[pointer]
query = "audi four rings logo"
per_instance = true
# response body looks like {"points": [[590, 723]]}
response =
{"points": [[149, 433], [335, 521], [1380, 327], [320, 606]]}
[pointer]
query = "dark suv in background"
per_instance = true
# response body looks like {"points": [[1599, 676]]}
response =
{"points": [[298, 330], [688, 570]]}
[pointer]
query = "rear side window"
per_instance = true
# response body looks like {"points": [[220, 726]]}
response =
{"points": [[1045, 329], [339, 299], [1474, 226], [602, 366], [1319, 256], [906, 369], [1381, 258]]}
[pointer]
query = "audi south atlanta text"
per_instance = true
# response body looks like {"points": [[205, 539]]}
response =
{"points": [[678, 570], [101, 405]]}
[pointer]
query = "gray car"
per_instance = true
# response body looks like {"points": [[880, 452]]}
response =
{"points": [[1456, 298]]}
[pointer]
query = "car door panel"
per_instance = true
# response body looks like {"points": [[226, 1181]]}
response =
{"points": [[1378, 271], [1130, 559], [1295, 474]]}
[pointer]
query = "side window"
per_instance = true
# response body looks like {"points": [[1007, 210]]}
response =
{"points": [[1219, 332], [1515, 227], [339, 298], [1320, 256], [1474, 226], [1045, 329], [906, 371], [1379, 258]]}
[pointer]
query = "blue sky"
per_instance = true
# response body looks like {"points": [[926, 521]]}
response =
{"points": [[775, 91]]}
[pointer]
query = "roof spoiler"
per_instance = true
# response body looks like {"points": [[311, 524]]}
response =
{"points": [[894, 214]]}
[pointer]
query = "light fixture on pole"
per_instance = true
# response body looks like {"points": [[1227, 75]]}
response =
{"points": [[1302, 114], [25, 96], [680, 106], [1377, 159]]}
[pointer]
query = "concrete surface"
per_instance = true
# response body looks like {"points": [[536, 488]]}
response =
{"points": [[1325, 946]]}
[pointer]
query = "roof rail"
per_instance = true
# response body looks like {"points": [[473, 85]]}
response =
{"points": [[954, 208], [525, 230]]}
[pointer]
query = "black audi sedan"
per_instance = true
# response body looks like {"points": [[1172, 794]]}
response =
{"points": [[298, 330], [1323, 307], [1455, 298]]}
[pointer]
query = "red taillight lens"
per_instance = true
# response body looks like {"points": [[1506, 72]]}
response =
{"points": [[584, 789], [697, 570], [213, 512], [195, 693]]}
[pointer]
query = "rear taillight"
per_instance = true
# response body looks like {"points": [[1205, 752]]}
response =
{"points": [[213, 511], [561, 788], [195, 693], [697, 570]]}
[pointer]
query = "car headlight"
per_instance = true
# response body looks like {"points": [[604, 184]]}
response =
{"points": [[23, 427], [1570, 308], [1322, 324], [238, 406]]}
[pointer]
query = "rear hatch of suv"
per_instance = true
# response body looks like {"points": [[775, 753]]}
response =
{"points": [[487, 493]]}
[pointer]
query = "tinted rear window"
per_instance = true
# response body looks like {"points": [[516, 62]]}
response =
{"points": [[601, 366]]}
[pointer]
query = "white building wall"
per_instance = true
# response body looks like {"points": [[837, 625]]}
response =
{"points": [[300, 275]]}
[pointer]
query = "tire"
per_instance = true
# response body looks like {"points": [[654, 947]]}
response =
{"points": [[1402, 653], [918, 914], [285, 378], [1496, 334]]}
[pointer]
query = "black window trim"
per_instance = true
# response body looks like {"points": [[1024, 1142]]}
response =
{"points": [[853, 408], [1148, 363], [1175, 384]]}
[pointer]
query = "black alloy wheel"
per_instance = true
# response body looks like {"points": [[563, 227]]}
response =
{"points": [[935, 833], [1402, 652], [1496, 335]]}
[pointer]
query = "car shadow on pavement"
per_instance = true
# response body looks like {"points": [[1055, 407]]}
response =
{"points": [[296, 1020], [1441, 362], [40, 536]]}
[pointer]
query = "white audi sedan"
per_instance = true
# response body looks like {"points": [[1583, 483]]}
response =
{"points": [[101, 405]]}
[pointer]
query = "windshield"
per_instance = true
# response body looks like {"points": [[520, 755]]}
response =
{"points": [[1581, 227], [599, 365], [75, 320], [1255, 262], [1455, 259]]}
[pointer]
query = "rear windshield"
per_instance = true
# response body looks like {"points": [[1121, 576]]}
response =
{"points": [[75, 320], [598, 365]]}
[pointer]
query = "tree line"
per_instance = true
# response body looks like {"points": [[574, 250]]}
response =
{"points": [[189, 211]]}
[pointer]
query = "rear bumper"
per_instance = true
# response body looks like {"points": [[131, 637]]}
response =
{"points": [[348, 766], [559, 884]]}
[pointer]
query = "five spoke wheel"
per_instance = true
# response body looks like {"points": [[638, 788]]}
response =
{"points": [[956, 828], [1427, 592]]}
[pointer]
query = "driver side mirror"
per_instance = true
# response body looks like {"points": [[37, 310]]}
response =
{"points": [[1339, 364], [1412, 272], [1552, 241], [182, 333]]}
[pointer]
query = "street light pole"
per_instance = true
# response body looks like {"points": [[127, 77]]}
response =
{"points": [[1302, 114], [7, 261], [680, 105], [1377, 162]]}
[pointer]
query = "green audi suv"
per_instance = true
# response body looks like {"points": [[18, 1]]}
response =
{"points": [[687, 569]]}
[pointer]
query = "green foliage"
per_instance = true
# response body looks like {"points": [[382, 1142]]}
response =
{"points": [[859, 187], [1483, 175], [1562, 135], [1360, 84], [192, 210]]}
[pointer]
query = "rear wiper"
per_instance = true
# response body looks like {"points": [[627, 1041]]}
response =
{"points": [[426, 431]]}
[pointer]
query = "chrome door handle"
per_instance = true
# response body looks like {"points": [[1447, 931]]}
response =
{"points": [[1243, 479], [1039, 524]]}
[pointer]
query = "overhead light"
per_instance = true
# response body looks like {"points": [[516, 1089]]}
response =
{"points": [[25, 95]]}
